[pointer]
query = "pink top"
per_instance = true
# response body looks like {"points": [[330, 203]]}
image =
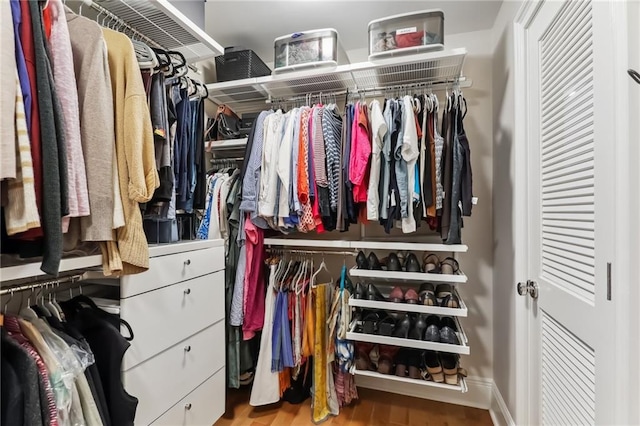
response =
{"points": [[360, 153], [66, 89], [253, 281]]}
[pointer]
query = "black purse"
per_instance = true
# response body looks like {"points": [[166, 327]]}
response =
{"points": [[226, 125]]}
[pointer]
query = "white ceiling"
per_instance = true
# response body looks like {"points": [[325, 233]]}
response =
{"points": [[255, 24]]}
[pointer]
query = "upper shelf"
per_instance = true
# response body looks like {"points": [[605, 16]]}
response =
{"points": [[434, 67], [371, 245], [164, 24]]}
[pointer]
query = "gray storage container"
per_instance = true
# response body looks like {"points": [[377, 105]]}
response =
{"points": [[308, 49]]}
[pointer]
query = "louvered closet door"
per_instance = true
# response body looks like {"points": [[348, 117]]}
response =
{"points": [[570, 191]]}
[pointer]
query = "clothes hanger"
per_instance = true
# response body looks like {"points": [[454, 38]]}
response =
{"points": [[6, 305], [322, 266], [49, 304]]}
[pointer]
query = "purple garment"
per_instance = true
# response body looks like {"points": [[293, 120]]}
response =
{"points": [[21, 63]]}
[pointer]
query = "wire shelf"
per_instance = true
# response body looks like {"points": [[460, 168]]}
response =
{"points": [[434, 68]]}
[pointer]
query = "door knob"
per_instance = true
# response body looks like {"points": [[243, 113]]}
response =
{"points": [[530, 288]]}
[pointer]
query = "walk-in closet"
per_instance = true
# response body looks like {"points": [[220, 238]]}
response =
{"points": [[288, 212]]}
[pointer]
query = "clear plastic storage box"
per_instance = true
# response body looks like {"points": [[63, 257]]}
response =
{"points": [[308, 49], [407, 33]]}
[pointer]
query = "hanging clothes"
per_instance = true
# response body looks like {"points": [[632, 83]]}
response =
{"points": [[135, 153]]}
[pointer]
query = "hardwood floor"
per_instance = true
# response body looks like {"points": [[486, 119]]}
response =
{"points": [[373, 408]]}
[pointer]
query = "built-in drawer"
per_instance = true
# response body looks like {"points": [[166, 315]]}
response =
{"points": [[160, 319], [202, 407], [165, 379], [173, 268]]}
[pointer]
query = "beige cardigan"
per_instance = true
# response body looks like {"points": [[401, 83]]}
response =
{"points": [[135, 154]]}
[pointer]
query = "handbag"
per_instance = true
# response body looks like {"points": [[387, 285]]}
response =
{"points": [[226, 125]]}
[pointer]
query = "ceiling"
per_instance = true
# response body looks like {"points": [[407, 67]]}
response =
{"points": [[255, 24]]}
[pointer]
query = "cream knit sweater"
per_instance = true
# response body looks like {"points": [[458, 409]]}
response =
{"points": [[21, 212], [7, 94], [135, 152]]}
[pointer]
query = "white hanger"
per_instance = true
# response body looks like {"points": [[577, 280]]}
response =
{"points": [[322, 266]]}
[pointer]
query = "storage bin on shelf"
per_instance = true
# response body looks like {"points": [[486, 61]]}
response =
{"points": [[239, 63], [415, 32], [309, 49]]}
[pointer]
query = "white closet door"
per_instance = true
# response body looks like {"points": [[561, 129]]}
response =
{"points": [[570, 225]]}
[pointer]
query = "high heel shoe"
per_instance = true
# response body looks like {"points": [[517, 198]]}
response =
{"points": [[417, 331], [412, 264], [427, 294], [403, 327], [451, 368], [373, 262], [434, 368], [393, 263], [361, 260], [374, 294]]}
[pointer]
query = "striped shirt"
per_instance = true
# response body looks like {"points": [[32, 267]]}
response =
{"points": [[332, 131]]}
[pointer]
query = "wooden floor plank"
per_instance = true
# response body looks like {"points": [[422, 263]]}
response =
{"points": [[373, 408]]}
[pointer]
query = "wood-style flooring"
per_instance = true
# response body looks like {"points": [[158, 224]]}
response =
{"points": [[373, 408]]}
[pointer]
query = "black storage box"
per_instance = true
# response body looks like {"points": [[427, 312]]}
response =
{"points": [[238, 63]]}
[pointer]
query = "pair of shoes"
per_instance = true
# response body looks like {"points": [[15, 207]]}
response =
{"points": [[443, 367], [433, 265], [411, 263], [441, 330], [371, 262], [408, 361], [429, 294], [397, 295]]}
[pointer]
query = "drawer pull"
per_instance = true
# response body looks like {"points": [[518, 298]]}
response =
{"points": [[187, 262], [187, 291], [187, 348], [187, 406]]}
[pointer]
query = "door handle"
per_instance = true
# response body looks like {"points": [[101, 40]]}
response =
{"points": [[530, 288]]}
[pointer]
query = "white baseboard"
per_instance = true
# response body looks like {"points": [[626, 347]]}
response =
{"points": [[478, 396], [499, 411]]}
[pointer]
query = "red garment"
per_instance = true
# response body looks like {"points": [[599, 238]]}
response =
{"points": [[13, 330], [47, 20], [26, 38], [360, 154], [409, 40], [254, 288]]}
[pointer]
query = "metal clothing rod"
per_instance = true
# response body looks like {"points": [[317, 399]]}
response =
{"points": [[40, 284], [462, 82], [228, 160], [330, 252]]}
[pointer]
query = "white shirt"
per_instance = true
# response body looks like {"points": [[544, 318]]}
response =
{"points": [[284, 164], [378, 130], [269, 179], [410, 155]]}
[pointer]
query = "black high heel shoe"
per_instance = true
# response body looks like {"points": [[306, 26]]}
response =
{"points": [[374, 263], [393, 263], [417, 331], [374, 294], [361, 260], [403, 327]]}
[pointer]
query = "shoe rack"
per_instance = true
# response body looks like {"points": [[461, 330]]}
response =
{"points": [[385, 281]]}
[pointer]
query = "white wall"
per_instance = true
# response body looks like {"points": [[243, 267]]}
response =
{"points": [[504, 279]]}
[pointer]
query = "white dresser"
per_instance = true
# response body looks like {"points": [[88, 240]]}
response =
{"points": [[176, 363]]}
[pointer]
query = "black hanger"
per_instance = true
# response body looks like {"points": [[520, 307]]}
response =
{"points": [[634, 75]]}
